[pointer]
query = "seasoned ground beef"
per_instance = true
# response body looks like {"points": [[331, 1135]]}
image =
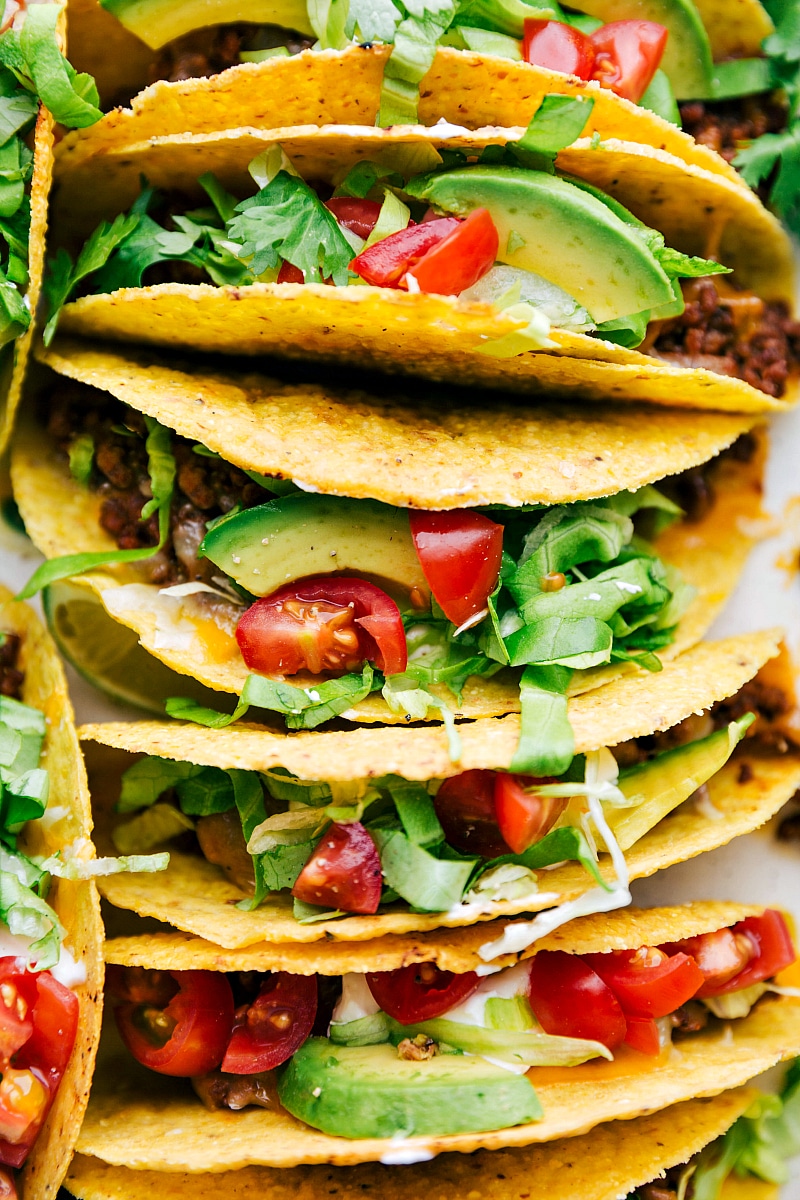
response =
{"points": [[11, 678], [740, 336], [205, 488], [208, 51], [728, 125]]}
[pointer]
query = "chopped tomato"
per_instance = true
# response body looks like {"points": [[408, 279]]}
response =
{"points": [[524, 817], [30, 1084], [323, 623], [270, 1029], [642, 1035], [359, 216], [344, 871], [558, 47], [647, 982], [753, 950], [571, 1000], [386, 263], [188, 1036], [627, 55], [19, 991], [465, 808], [461, 259], [289, 273], [460, 554], [420, 992]]}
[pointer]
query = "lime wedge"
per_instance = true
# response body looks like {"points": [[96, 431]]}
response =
{"points": [[109, 656]]}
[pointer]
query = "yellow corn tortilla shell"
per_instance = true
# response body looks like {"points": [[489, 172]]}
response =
{"points": [[194, 895], [77, 906], [606, 1164], [15, 356], [98, 43], [342, 88], [635, 705], [62, 518], [131, 1123], [696, 211], [429, 450], [454, 950]]}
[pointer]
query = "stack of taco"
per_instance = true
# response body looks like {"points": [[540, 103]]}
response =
{"points": [[407, 403]]}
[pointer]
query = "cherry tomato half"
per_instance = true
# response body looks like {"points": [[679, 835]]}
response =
{"points": [[523, 816], [460, 554], [465, 808], [359, 216], [323, 623], [763, 945], [558, 47], [270, 1029], [385, 263], [30, 1084], [19, 992], [461, 259], [187, 1037], [642, 1035], [570, 999], [627, 54], [420, 992], [289, 273], [343, 872], [647, 982]]}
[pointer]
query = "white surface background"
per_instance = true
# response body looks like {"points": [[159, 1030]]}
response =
{"points": [[754, 869]]}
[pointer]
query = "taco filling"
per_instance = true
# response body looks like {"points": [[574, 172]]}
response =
{"points": [[458, 846], [420, 1050], [419, 598], [494, 227]]}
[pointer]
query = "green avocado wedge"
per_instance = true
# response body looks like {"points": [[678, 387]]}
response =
{"points": [[687, 57], [558, 231], [157, 22], [302, 534], [659, 786], [369, 1092]]}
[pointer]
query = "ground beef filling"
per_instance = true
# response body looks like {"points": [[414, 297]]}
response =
{"points": [[205, 488], [737, 335], [727, 126], [206, 52], [11, 678]]}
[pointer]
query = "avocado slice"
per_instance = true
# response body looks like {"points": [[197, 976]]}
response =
{"points": [[303, 534], [687, 57], [559, 231], [659, 786], [157, 22], [369, 1092]]}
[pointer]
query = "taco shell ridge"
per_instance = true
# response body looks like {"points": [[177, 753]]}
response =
{"points": [[76, 903], [605, 1164]]}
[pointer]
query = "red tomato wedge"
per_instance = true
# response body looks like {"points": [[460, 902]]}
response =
{"points": [[359, 216], [420, 992], [385, 263], [570, 999], [461, 259], [323, 623], [753, 950], [627, 55], [465, 808], [460, 554], [343, 872], [47, 1012], [187, 1037], [523, 816], [647, 982], [642, 1035], [558, 47], [270, 1029]]}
